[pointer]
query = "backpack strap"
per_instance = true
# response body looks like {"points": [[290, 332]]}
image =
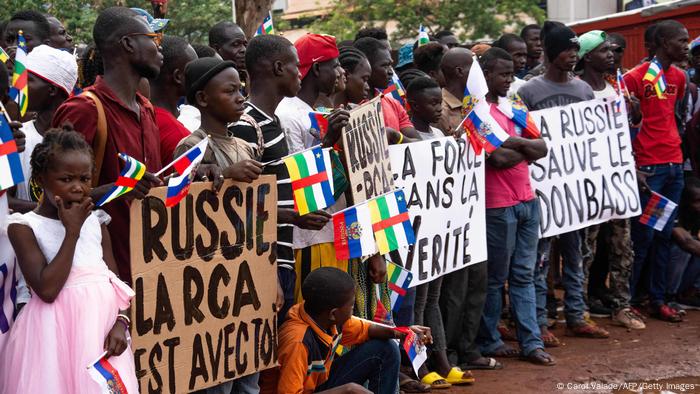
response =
{"points": [[258, 131], [99, 143]]}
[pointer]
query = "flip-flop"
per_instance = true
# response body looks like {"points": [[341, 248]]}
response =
{"points": [[436, 381], [539, 357], [409, 385], [504, 351], [493, 364], [456, 377]]}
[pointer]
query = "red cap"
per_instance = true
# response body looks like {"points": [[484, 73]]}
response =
{"points": [[315, 48]]}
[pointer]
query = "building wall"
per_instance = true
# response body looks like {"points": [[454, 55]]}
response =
{"points": [[567, 11]]}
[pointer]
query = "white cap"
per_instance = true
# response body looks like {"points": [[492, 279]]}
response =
{"points": [[55, 66]]}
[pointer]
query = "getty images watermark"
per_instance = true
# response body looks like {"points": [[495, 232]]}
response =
{"points": [[631, 386]]}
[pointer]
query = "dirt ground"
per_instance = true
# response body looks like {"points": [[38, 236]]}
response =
{"points": [[664, 357]]}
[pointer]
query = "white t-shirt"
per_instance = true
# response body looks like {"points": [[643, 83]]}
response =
{"points": [[33, 138], [293, 114], [608, 91], [434, 133]]}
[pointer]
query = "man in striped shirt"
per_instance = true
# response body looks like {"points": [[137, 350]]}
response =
{"points": [[274, 74]]}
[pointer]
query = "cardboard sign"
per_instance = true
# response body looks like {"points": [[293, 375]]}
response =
{"points": [[205, 277], [588, 176], [443, 180], [366, 152]]}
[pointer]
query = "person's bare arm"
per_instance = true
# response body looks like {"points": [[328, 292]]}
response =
{"points": [[686, 241]]}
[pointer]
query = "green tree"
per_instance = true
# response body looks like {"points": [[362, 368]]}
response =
{"points": [[474, 19], [190, 19]]}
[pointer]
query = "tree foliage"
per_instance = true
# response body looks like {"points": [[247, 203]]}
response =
{"points": [[473, 19], [190, 19]]}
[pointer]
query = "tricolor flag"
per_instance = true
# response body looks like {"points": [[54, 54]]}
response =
{"points": [[422, 36], [319, 122], [19, 92], [312, 179], [516, 111], [396, 90], [390, 221], [4, 57], [10, 163], [352, 231], [381, 315], [266, 26], [131, 173], [476, 88], [398, 280], [655, 75], [179, 186], [483, 132], [657, 212], [621, 88], [414, 349], [106, 376]]}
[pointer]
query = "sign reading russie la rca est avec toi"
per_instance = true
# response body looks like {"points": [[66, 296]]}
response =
{"points": [[204, 273]]}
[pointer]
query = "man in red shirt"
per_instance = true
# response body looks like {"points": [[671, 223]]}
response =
{"points": [[657, 149], [130, 51], [166, 90]]}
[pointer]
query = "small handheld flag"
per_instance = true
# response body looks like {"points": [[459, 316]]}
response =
{"points": [[516, 111], [390, 222], [414, 349], [10, 164], [476, 88], [19, 92], [106, 376], [655, 75], [398, 280], [622, 91], [179, 186], [396, 90], [422, 36], [266, 26], [312, 179], [4, 57], [657, 212], [352, 232], [483, 132], [131, 173], [319, 123], [381, 315]]}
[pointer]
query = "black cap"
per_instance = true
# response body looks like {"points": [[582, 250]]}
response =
{"points": [[558, 39], [198, 73]]}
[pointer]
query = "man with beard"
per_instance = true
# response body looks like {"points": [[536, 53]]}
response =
{"points": [[130, 51]]}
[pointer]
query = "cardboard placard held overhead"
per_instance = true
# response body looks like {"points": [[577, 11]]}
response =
{"points": [[366, 152], [205, 277]]}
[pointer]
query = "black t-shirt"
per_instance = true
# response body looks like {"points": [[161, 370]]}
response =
{"points": [[275, 149]]}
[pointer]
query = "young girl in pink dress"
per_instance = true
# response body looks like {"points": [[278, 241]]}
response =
{"points": [[77, 311]]}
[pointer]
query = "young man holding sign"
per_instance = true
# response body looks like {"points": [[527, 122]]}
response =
{"points": [[512, 222]]}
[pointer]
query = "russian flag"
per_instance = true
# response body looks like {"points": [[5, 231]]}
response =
{"points": [[657, 212], [178, 187], [415, 351], [352, 230], [516, 111], [483, 131], [107, 377], [194, 155]]}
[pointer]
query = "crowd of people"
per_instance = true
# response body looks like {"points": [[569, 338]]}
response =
{"points": [[138, 91]]}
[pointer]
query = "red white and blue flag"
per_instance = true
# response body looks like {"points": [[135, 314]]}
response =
{"points": [[414, 349], [621, 91], [10, 163], [185, 165], [483, 132], [516, 111], [396, 90], [352, 228], [106, 376], [657, 212], [319, 122]]}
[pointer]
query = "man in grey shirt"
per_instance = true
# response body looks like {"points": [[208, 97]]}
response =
{"points": [[558, 88]]}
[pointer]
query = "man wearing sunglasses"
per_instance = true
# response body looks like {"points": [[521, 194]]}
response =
{"points": [[130, 51]]}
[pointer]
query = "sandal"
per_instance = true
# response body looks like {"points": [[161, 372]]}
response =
{"points": [[409, 385], [504, 351], [435, 381], [586, 330], [548, 338], [540, 357], [491, 363], [458, 377], [506, 333]]}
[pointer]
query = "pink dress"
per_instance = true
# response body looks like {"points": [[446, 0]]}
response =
{"points": [[51, 345]]}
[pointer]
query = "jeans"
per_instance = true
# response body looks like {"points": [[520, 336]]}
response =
{"points": [[462, 302], [288, 280], [683, 272], [511, 237], [572, 278], [667, 180], [376, 361], [245, 385], [427, 312]]}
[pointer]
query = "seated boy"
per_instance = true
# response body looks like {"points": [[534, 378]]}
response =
{"points": [[307, 355]]}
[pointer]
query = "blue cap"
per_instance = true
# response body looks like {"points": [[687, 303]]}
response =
{"points": [[405, 55], [155, 24]]}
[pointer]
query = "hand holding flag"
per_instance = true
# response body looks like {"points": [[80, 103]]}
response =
{"points": [[185, 165]]}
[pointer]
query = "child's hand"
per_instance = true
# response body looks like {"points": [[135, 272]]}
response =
{"points": [[423, 334], [74, 215], [116, 342]]}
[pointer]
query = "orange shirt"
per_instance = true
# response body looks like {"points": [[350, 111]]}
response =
{"points": [[305, 351]]}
